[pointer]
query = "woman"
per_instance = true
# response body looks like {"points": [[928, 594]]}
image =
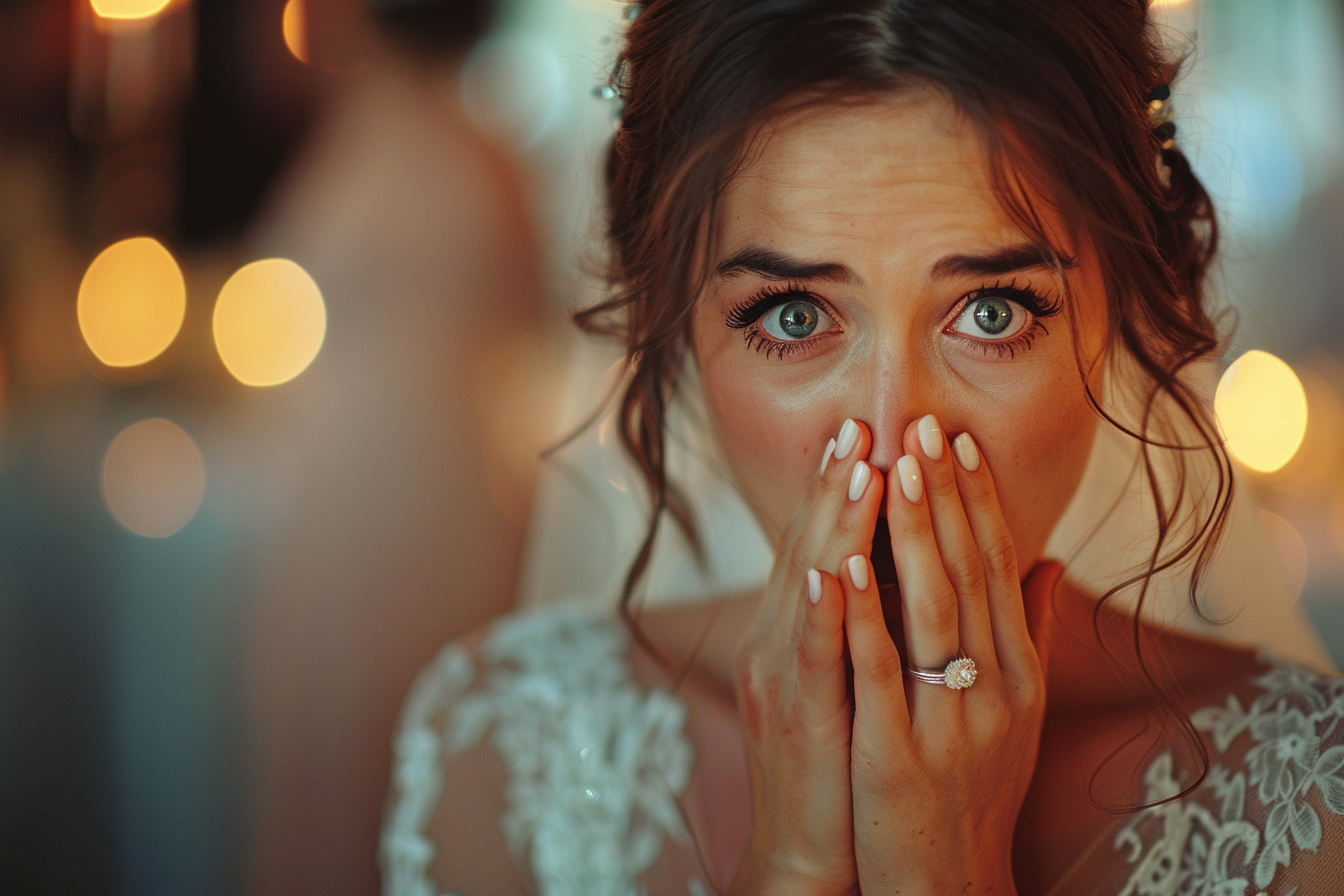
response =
{"points": [[915, 253]]}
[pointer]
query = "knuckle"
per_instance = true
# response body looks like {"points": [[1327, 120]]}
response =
{"points": [[940, 483], [882, 668], [812, 656], [939, 613], [799, 559], [1000, 557], [1031, 692], [966, 573]]}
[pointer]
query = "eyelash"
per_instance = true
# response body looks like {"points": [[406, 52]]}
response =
{"points": [[1040, 307], [746, 315]]}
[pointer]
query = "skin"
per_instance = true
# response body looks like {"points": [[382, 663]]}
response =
{"points": [[860, 779], [887, 190]]}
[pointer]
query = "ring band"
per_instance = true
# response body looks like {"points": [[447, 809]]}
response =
{"points": [[957, 674]]}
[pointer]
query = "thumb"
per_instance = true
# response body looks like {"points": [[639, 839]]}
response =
{"points": [[1038, 599]]}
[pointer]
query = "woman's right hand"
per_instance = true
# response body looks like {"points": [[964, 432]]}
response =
{"points": [[793, 690]]}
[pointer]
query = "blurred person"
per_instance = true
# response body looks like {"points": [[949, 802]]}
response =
{"points": [[915, 256], [400, 515]]}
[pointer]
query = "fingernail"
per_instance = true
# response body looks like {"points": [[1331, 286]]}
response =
{"points": [[930, 436], [859, 480], [826, 457], [813, 586], [858, 571], [967, 454], [911, 483], [849, 434]]}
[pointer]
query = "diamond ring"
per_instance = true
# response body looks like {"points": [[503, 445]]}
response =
{"points": [[957, 674]]}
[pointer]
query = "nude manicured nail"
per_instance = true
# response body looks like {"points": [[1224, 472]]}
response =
{"points": [[912, 484], [858, 572], [967, 454], [844, 443], [859, 480], [813, 586], [826, 458], [930, 436]]}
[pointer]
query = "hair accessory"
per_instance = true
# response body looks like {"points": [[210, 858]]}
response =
{"points": [[959, 673], [611, 95]]}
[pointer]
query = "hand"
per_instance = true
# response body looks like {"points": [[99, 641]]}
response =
{"points": [[939, 775], [793, 693]]}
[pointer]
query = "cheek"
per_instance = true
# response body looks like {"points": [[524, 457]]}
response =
{"points": [[772, 441], [1038, 462]]}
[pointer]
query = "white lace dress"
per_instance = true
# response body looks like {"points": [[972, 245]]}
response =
{"points": [[596, 764]]}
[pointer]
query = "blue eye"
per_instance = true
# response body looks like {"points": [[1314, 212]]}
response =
{"points": [[791, 321], [992, 317]]}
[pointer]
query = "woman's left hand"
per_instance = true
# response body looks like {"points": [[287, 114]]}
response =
{"points": [[939, 775]]}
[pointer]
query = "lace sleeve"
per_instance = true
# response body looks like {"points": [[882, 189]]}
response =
{"points": [[1268, 818], [537, 765]]}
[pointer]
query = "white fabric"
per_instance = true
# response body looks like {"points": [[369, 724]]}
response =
{"points": [[596, 764], [1266, 819]]}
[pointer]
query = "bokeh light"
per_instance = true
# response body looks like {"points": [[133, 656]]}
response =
{"points": [[512, 84], [131, 302], [1262, 409], [269, 322], [294, 24], [129, 9], [153, 478], [1318, 463]]}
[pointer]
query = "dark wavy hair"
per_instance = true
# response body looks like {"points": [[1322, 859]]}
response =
{"points": [[1061, 94]]}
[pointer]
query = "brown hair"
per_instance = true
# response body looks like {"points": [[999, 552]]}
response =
{"points": [[1070, 81]]}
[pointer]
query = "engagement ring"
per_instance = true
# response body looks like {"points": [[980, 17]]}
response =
{"points": [[957, 674]]}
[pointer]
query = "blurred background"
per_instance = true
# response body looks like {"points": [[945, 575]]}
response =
{"points": [[283, 296]]}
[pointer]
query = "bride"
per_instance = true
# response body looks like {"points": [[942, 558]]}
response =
{"points": [[915, 254]]}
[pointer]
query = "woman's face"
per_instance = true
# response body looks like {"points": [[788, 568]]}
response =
{"points": [[866, 269]]}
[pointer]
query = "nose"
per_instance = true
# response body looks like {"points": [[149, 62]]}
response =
{"points": [[896, 390]]}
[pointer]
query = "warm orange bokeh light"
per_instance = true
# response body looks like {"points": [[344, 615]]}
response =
{"points": [[131, 302], [294, 24], [153, 478], [1262, 409], [269, 323], [129, 9]]}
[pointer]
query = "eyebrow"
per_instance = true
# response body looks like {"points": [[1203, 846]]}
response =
{"points": [[1005, 261], [775, 265]]}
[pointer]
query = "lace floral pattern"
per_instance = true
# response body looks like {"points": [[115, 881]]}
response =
{"points": [[595, 763], [1234, 833]]}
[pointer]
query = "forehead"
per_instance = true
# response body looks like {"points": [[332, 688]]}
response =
{"points": [[904, 174]]}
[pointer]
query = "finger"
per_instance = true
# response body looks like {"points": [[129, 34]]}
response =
{"points": [[823, 694], [1038, 595], [880, 711], [928, 602], [956, 544], [814, 524], [998, 554]]}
